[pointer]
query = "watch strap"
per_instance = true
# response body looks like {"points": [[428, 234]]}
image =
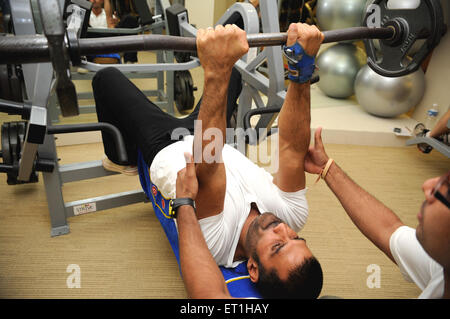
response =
{"points": [[178, 202]]}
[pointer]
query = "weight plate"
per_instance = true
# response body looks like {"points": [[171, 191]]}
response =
{"points": [[14, 141], [183, 90], [15, 84], [5, 91], [6, 149], [410, 25]]}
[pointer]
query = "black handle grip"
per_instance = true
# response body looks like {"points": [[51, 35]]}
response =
{"points": [[89, 127]]}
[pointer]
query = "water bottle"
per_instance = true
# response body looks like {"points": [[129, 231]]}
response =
{"points": [[431, 117]]}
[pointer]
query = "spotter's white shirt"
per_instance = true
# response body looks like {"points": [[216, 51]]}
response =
{"points": [[415, 264]]}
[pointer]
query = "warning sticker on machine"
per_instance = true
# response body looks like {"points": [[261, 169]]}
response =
{"points": [[84, 209]]}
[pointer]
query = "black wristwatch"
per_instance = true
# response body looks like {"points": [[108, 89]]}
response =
{"points": [[177, 202]]}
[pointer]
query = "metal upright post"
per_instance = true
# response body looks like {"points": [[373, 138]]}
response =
{"points": [[38, 81], [254, 82]]}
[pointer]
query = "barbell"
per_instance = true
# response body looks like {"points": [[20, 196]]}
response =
{"points": [[398, 31], [36, 48]]}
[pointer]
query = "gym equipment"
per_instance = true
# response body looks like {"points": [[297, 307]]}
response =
{"points": [[391, 60], [338, 66], [163, 95], [400, 29], [338, 14], [36, 151], [13, 135], [440, 146], [388, 97], [32, 51], [11, 79], [184, 90], [402, 4]]}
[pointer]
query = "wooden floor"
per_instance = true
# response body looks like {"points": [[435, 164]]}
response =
{"points": [[123, 252]]}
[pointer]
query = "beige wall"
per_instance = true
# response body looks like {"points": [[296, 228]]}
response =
{"points": [[201, 12], [220, 7], [437, 76], [205, 13]]}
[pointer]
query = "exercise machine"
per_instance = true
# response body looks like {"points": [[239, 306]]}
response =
{"points": [[41, 56]]}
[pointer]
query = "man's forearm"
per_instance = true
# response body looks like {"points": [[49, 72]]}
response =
{"points": [[212, 118], [201, 275], [294, 134], [294, 119], [376, 221]]}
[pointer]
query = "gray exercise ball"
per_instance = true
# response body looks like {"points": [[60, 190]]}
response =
{"points": [[388, 97], [338, 66], [339, 14]]}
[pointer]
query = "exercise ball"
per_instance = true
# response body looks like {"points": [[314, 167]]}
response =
{"points": [[388, 97], [339, 14], [338, 66]]}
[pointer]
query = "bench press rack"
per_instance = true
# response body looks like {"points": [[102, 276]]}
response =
{"points": [[39, 144]]}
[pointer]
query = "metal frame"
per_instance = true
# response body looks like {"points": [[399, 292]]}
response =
{"points": [[434, 143], [38, 84], [163, 70], [254, 81]]}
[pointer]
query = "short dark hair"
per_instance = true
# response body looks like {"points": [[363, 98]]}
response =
{"points": [[304, 282]]}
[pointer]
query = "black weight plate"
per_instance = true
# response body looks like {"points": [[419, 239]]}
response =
{"points": [[184, 90], [6, 148], [179, 90], [15, 85], [392, 61], [189, 91], [182, 57], [14, 141], [5, 91]]}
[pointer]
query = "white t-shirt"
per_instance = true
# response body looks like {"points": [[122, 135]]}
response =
{"points": [[246, 183], [98, 21], [415, 264]]}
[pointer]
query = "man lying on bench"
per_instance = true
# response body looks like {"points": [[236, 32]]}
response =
{"points": [[244, 213]]}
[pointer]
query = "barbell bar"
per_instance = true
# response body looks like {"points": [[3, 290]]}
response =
{"points": [[399, 30], [35, 49]]}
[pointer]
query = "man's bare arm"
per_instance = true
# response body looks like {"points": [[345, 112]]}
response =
{"points": [[218, 51], [376, 221], [294, 118], [201, 275]]}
